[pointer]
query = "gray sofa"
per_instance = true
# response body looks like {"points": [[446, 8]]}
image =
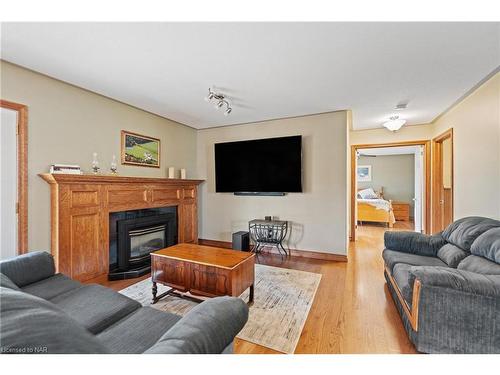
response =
{"points": [[447, 286], [47, 312]]}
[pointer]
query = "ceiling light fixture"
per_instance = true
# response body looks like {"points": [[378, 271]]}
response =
{"points": [[394, 123], [221, 101]]}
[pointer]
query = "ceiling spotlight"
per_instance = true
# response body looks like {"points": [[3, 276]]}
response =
{"points": [[394, 123], [221, 101], [209, 96]]}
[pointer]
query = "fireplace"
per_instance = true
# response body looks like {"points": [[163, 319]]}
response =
{"points": [[134, 235]]}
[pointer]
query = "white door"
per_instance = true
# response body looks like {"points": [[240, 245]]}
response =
{"points": [[8, 184], [419, 189]]}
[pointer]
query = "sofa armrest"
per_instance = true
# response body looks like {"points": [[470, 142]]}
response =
{"points": [[458, 280], [457, 311], [28, 268], [207, 329], [414, 243]]}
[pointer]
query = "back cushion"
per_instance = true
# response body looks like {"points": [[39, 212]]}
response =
{"points": [[480, 265], [463, 232], [452, 255], [33, 325], [487, 245], [28, 268]]}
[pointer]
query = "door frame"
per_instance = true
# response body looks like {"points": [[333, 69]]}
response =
{"points": [[22, 172], [427, 179], [437, 169]]}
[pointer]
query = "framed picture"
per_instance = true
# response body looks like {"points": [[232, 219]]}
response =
{"points": [[364, 173], [140, 150]]}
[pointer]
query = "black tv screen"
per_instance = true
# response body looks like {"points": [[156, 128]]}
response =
{"points": [[272, 165]]}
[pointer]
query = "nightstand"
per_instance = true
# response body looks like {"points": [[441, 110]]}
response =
{"points": [[401, 211]]}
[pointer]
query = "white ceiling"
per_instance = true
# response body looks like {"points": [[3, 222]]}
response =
{"points": [[379, 151], [269, 70]]}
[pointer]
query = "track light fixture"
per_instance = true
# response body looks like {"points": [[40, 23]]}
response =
{"points": [[221, 101]]}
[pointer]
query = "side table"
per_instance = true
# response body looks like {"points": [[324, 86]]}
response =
{"points": [[268, 233]]}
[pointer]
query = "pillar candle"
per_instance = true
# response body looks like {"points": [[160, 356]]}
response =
{"points": [[170, 172], [183, 173]]}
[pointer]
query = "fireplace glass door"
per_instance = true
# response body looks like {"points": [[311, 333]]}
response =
{"points": [[145, 240]]}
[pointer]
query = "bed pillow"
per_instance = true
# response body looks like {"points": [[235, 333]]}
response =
{"points": [[367, 194]]}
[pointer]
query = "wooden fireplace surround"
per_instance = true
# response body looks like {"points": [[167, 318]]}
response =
{"points": [[80, 208]]}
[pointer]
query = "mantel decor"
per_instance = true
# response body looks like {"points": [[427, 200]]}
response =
{"points": [[81, 206], [137, 149]]}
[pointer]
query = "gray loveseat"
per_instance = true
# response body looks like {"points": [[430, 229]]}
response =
{"points": [[45, 312], [447, 286]]}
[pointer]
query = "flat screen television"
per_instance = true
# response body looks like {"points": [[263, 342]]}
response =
{"points": [[270, 166]]}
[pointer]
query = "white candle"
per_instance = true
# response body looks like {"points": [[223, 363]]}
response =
{"points": [[171, 172], [183, 173]]}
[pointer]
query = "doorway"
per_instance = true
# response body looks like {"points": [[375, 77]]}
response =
{"points": [[13, 172], [396, 201], [442, 181]]}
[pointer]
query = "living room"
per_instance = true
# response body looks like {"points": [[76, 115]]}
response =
{"points": [[220, 194]]}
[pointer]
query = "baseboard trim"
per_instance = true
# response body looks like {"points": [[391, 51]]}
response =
{"points": [[294, 252]]}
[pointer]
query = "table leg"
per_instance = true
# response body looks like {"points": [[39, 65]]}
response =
{"points": [[155, 290], [250, 299]]}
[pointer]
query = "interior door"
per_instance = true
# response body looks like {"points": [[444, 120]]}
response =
{"points": [[8, 185], [419, 189], [442, 185]]}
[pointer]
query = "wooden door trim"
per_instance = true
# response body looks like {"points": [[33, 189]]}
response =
{"points": [[437, 175], [427, 176], [22, 172]]}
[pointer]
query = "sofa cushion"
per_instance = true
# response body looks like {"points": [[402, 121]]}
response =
{"points": [[95, 307], [463, 232], [391, 258], [138, 331], [7, 283], [477, 264], [402, 276], [413, 242], [487, 245], [33, 325], [28, 268], [452, 255], [52, 286]]}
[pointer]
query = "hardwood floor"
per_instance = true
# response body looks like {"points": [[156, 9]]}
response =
{"points": [[352, 312]]}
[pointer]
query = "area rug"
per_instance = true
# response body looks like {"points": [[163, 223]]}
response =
{"points": [[282, 301]]}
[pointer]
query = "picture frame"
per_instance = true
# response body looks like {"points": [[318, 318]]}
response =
{"points": [[364, 173], [140, 150]]}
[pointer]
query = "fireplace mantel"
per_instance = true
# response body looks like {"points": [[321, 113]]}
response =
{"points": [[80, 208]]}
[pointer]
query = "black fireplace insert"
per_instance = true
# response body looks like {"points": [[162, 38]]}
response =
{"points": [[134, 235]]}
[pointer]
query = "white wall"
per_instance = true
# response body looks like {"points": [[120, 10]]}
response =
{"points": [[476, 143], [318, 215], [8, 183]]}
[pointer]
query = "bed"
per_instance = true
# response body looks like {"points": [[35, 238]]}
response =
{"points": [[372, 207]]}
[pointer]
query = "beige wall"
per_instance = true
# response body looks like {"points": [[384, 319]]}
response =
{"points": [[67, 124], [396, 173], [476, 136], [318, 214], [406, 133]]}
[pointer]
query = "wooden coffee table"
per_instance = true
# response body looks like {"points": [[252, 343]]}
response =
{"points": [[202, 271]]}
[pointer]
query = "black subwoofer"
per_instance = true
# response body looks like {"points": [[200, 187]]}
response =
{"points": [[241, 241]]}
